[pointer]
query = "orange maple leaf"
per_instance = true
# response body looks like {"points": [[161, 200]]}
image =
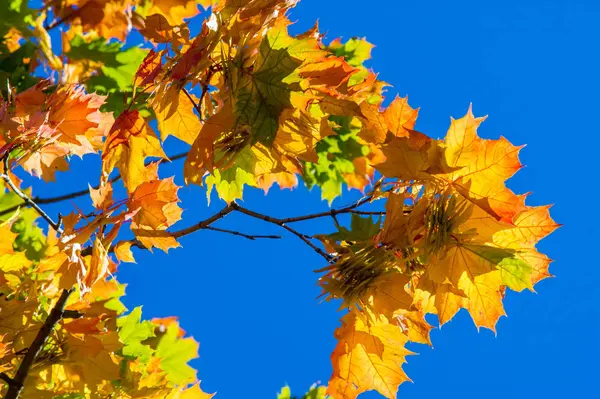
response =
{"points": [[129, 142]]}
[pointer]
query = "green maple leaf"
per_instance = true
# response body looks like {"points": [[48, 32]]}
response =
{"points": [[16, 14], [516, 273], [361, 229], [14, 69], [335, 158], [264, 92], [119, 66], [132, 331], [30, 238], [229, 183], [174, 354], [355, 51]]}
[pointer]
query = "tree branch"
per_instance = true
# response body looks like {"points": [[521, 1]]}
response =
{"points": [[197, 106], [373, 213], [282, 223], [6, 378], [330, 213], [28, 201], [237, 233], [204, 85], [56, 314], [75, 194], [204, 224]]}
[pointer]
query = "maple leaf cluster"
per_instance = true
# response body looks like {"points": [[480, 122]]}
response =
{"points": [[257, 106]]}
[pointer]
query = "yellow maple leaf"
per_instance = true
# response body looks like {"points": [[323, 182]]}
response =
{"points": [[175, 11], [10, 261], [481, 167], [123, 252], [369, 356], [400, 117], [181, 122]]}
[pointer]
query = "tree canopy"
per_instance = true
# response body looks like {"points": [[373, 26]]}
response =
{"points": [[258, 107]]}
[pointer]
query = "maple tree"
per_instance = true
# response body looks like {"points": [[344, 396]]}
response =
{"points": [[257, 106]]}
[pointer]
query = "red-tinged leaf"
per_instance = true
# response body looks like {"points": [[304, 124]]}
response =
{"points": [[155, 203], [332, 72], [176, 11], [102, 197], [201, 156], [128, 144], [149, 70]]}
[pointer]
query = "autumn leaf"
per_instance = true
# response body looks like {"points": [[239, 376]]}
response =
{"points": [[182, 123], [438, 231], [10, 260], [148, 70], [108, 18], [200, 158], [48, 128], [369, 356], [482, 167], [175, 11], [175, 353], [155, 204], [123, 252], [400, 117], [129, 142]]}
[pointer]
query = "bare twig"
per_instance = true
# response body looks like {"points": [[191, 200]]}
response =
{"points": [[373, 213], [282, 223], [330, 213], [197, 106], [56, 314], [204, 85], [76, 194], [204, 224], [28, 201], [237, 233]]}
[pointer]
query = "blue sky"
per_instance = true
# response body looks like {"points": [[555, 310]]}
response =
{"points": [[532, 66]]}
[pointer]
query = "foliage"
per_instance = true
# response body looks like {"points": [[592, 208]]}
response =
{"points": [[257, 106]]}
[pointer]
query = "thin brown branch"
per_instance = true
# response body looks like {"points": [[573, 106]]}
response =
{"points": [[75, 194], [282, 223], [56, 314], [204, 224], [196, 106], [28, 201], [330, 213], [204, 85], [239, 234], [373, 213]]}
